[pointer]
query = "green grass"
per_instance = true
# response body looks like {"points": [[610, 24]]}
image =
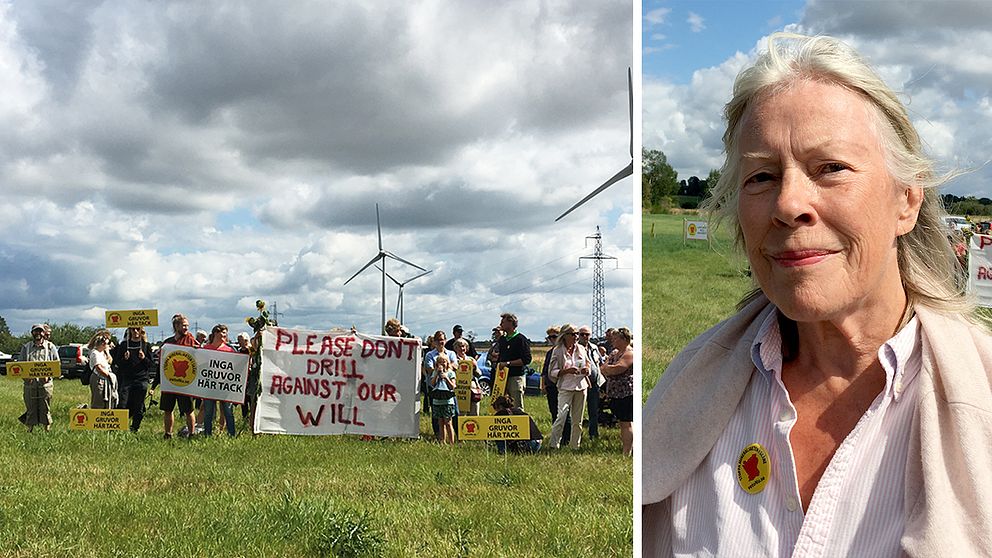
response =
{"points": [[85, 494], [685, 290]]}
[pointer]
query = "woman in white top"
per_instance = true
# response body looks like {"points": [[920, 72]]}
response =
{"points": [[569, 370], [103, 381]]}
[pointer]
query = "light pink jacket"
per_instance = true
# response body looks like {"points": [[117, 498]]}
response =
{"points": [[568, 382], [949, 472]]}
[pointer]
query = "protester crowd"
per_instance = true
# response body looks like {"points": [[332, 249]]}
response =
{"points": [[579, 378]]}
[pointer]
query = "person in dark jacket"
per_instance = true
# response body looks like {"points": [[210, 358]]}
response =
{"points": [[135, 368]]}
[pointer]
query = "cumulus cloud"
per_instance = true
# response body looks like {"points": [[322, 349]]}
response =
{"points": [[942, 71], [194, 157]]}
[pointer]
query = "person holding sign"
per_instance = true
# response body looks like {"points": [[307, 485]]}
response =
{"points": [[514, 351], [569, 370], [442, 384], [218, 342], [134, 370], [38, 391], [504, 406], [461, 346], [168, 401], [103, 381]]}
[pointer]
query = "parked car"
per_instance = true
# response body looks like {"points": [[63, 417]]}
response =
{"points": [[74, 359], [957, 223], [486, 381], [4, 359]]}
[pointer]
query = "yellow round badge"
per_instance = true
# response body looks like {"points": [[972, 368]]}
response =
{"points": [[180, 368], [753, 469]]}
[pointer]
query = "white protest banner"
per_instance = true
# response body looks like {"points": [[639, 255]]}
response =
{"points": [[338, 382], [204, 373], [980, 269]]}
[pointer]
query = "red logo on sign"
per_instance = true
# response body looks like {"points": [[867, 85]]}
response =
{"points": [[180, 367]]}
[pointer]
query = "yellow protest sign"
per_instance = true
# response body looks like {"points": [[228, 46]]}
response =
{"points": [[504, 427], [34, 369], [98, 419], [463, 385], [499, 382], [132, 318]]}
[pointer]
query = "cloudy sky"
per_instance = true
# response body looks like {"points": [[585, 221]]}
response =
{"points": [[937, 54], [192, 157]]}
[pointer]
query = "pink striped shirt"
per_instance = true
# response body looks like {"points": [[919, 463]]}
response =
{"points": [[857, 507]]}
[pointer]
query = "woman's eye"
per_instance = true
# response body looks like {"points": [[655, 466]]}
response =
{"points": [[833, 167], [760, 177]]}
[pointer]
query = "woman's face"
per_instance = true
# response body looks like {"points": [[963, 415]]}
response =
{"points": [[819, 212], [460, 350]]}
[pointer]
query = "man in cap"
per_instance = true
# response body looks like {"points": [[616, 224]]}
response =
{"points": [[456, 334], [38, 391]]}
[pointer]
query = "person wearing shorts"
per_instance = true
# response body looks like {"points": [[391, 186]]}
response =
{"points": [[169, 401]]}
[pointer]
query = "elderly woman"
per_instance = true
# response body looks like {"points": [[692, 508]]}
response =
{"points": [[845, 409], [569, 370], [103, 381]]}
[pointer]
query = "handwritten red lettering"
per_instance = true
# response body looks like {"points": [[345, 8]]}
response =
{"points": [[283, 337], [308, 419]]}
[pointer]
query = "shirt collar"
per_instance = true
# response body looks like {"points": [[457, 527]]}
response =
{"points": [[900, 356]]}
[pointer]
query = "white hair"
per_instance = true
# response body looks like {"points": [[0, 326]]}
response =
{"points": [[927, 264]]}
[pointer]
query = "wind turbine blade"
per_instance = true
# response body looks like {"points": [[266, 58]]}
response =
{"points": [[418, 276], [366, 266], [378, 227], [399, 259], [400, 285], [624, 173], [630, 98]]}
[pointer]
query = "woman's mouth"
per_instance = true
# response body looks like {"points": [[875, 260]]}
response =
{"points": [[799, 258]]}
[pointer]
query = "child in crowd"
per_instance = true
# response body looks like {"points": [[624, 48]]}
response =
{"points": [[442, 384]]}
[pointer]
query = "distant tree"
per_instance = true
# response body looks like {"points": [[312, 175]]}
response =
{"points": [[659, 180], [711, 179]]}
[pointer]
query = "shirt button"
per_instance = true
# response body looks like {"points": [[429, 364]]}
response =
{"points": [[785, 415], [791, 504]]}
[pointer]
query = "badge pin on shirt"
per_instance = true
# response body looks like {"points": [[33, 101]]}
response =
{"points": [[753, 469]]}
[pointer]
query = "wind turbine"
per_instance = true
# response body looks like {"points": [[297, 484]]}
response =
{"points": [[624, 172], [400, 284], [382, 255]]}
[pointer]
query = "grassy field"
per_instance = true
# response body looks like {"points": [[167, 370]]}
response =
{"points": [[80, 494], [686, 289]]}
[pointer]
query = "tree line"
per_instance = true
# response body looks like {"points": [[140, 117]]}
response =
{"points": [[62, 334], [967, 205], [661, 188]]}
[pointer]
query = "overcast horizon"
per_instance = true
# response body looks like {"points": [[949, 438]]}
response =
{"points": [[194, 157]]}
